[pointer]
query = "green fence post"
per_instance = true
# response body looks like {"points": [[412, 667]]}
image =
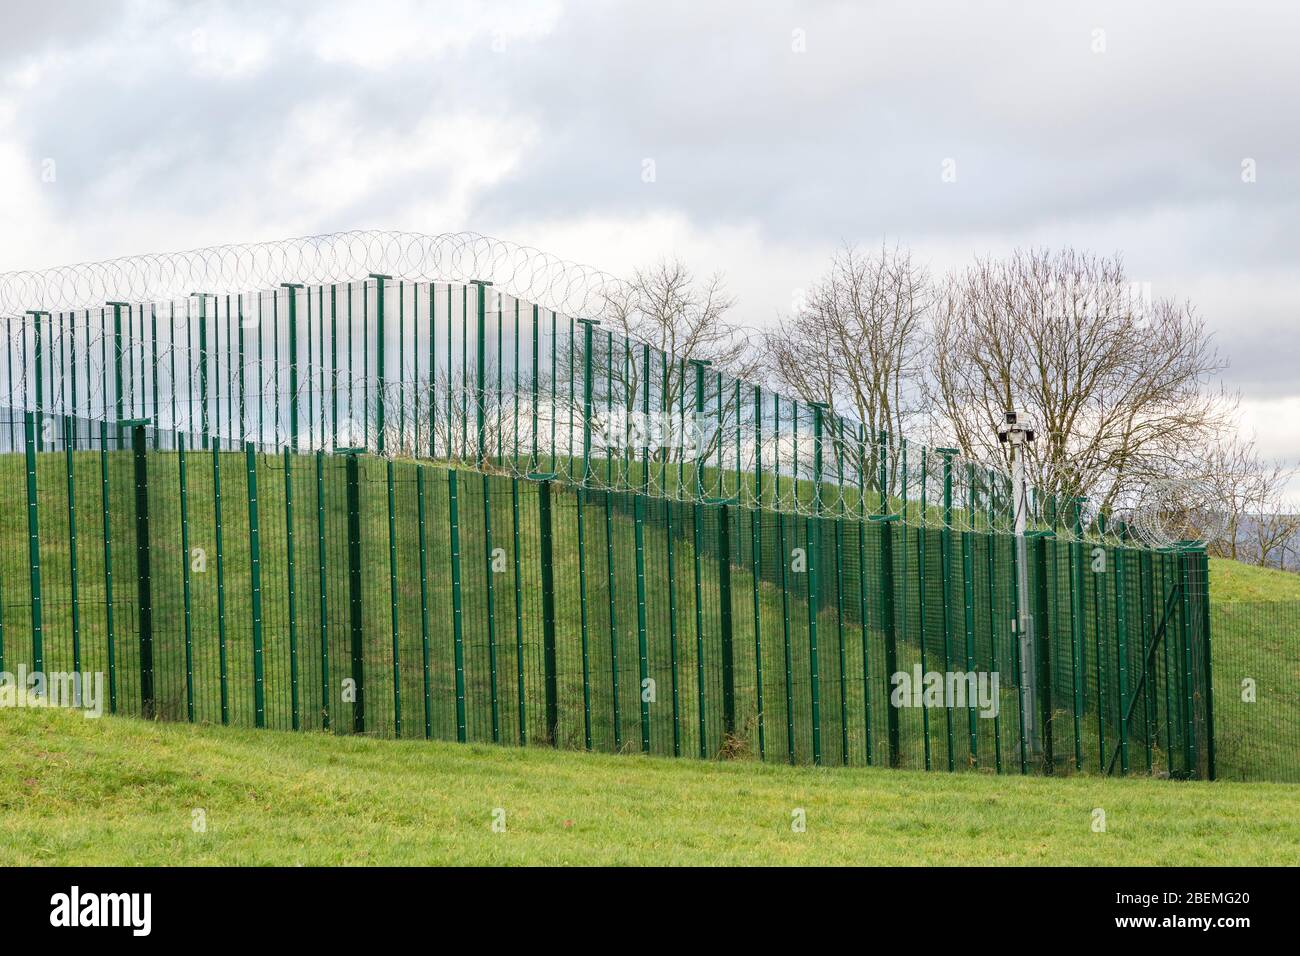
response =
{"points": [[1043, 650], [813, 534], [395, 633], [34, 545], [203, 365], [68, 443], [920, 601], [324, 587], [1189, 676], [144, 612], [356, 623], [480, 374], [613, 619], [887, 618], [291, 293], [968, 604], [672, 625], [186, 584], [424, 599], [379, 357], [945, 556], [291, 582], [725, 624], [697, 512], [255, 587], [39, 384], [991, 568], [223, 663], [519, 610], [643, 654], [546, 533], [1203, 566], [584, 623], [489, 574], [1076, 626], [1121, 643], [110, 636]]}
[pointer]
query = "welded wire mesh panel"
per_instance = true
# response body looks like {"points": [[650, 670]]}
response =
{"points": [[316, 588]]}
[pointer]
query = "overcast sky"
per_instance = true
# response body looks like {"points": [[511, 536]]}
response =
{"points": [[774, 132]]}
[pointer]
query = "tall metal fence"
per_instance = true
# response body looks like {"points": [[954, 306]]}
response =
{"points": [[461, 374], [810, 620]]}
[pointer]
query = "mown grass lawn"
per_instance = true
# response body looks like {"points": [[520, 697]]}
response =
{"points": [[120, 791]]}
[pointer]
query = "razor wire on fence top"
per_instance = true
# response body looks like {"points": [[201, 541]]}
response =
{"points": [[462, 372], [522, 271]]}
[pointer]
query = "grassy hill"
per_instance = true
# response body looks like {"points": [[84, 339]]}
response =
{"points": [[119, 791], [1235, 581]]}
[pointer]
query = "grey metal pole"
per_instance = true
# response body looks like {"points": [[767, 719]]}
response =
{"points": [[1025, 619]]}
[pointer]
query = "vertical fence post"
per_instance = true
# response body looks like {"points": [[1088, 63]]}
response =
{"points": [[34, 545], [203, 365], [584, 623], [255, 586], [424, 599], [39, 384], [139, 449], [489, 575], [887, 621], [672, 624], [324, 586], [697, 512], [291, 293], [920, 601], [1076, 625], [1202, 593], [356, 624], [1182, 555], [813, 535], [186, 583], [69, 442], [290, 573], [380, 370], [395, 634], [519, 610], [1042, 633], [1121, 647], [457, 607], [968, 606], [725, 624], [945, 558], [480, 374], [643, 651], [110, 636], [546, 532]]}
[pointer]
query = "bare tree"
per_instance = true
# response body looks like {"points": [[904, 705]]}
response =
{"points": [[681, 318], [1251, 493], [858, 345], [1118, 386]]}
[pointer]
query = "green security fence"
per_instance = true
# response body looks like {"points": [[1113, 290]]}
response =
{"points": [[470, 377], [217, 580]]}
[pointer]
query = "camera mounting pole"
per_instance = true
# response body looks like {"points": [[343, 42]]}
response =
{"points": [[1016, 435]]}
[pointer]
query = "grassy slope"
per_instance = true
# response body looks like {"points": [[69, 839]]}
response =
{"points": [[1255, 625], [77, 791], [1234, 581]]}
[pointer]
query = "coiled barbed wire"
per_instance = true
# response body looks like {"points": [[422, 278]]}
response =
{"points": [[521, 271], [775, 442]]}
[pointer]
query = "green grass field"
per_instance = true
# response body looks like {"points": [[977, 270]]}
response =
{"points": [[120, 791]]}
